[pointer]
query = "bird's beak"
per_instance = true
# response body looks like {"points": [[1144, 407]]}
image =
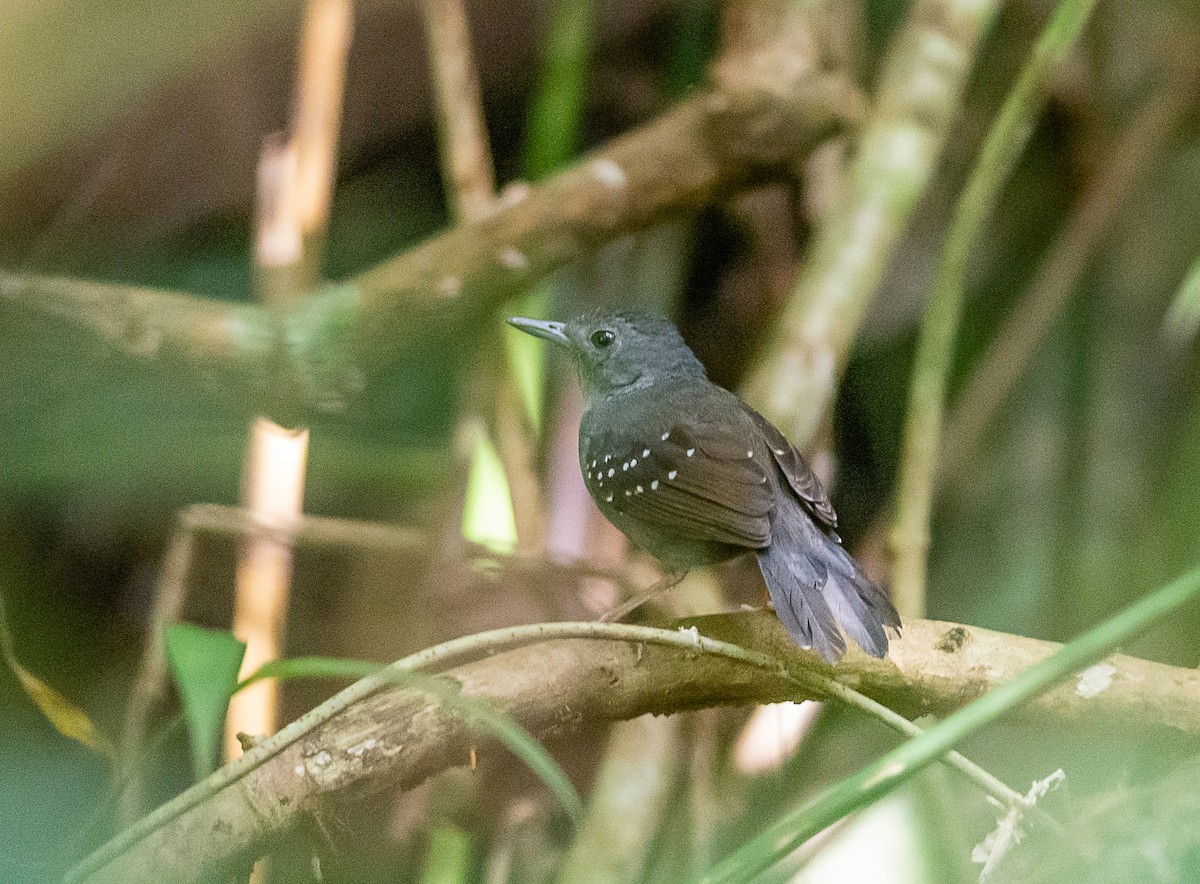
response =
{"points": [[539, 328]]}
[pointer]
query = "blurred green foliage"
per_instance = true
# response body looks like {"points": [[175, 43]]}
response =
{"points": [[1083, 496]]}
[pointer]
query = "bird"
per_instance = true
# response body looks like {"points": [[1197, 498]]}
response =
{"points": [[695, 476]]}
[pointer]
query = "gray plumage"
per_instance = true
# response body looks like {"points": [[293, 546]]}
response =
{"points": [[695, 476]]}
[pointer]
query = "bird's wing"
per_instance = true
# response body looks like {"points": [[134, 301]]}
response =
{"points": [[796, 470], [695, 481]]}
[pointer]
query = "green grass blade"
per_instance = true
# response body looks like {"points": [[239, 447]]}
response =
{"points": [[553, 130]]}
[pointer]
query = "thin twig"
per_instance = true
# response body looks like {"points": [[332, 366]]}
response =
{"points": [[935, 348], [467, 168], [323, 532], [149, 685]]}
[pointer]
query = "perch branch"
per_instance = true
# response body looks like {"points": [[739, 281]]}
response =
{"points": [[373, 735]]}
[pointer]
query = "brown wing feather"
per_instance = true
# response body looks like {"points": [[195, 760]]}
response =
{"points": [[796, 470], [707, 494]]}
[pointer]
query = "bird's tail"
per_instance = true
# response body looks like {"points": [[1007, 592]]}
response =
{"points": [[819, 591]]}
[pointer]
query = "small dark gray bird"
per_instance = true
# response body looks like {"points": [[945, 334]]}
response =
{"points": [[695, 476]]}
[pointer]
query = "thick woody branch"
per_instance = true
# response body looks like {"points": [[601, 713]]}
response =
{"points": [[397, 737], [321, 351], [672, 165], [212, 341]]}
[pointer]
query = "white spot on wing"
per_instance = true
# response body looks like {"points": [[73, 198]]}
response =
{"points": [[640, 489], [633, 462], [645, 452], [671, 475], [690, 452], [654, 485], [666, 435], [611, 472], [608, 499]]}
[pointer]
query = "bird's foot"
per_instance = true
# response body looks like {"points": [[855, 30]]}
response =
{"points": [[660, 586]]}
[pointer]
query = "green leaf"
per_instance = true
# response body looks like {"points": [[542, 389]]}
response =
{"points": [[488, 518], [310, 667], [205, 663]]}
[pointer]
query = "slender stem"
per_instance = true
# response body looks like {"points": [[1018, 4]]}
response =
{"points": [[553, 131], [897, 766], [997, 371], [149, 685], [935, 349], [467, 167], [317, 120]]}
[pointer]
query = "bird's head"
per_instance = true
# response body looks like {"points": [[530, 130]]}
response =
{"points": [[612, 351]]}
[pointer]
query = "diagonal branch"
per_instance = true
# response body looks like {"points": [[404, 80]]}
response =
{"points": [[916, 100], [327, 346]]}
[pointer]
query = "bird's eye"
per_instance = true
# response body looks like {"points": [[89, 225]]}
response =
{"points": [[602, 338]]}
